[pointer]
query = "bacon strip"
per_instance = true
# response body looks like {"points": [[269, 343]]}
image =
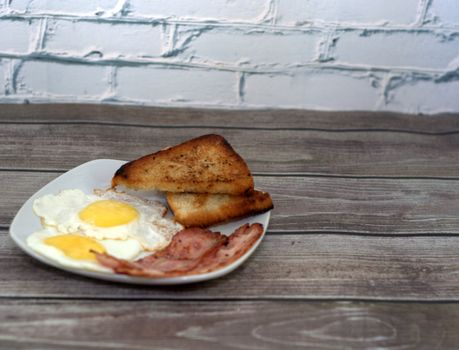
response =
{"points": [[191, 251], [190, 243], [187, 247], [238, 244], [126, 267]]}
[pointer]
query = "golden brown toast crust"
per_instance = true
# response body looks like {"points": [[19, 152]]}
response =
{"points": [[206, 164], [193, 209]]}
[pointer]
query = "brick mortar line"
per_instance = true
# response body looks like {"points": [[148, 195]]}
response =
{"points": [[314, 26], [38, 57], [423, 8]]}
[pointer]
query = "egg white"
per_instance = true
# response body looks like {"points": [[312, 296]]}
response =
{"points": [[150, 229], [128, 250]]}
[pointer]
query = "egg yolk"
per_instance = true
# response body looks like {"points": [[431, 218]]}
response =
{"points": [[108, 213], [76, 247]]}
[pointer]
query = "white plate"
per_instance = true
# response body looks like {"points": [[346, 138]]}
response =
{"points": [[98, 174]]}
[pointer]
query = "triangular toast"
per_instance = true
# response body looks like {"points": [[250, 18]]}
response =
{"points": [[206, 164], [193, 209]]}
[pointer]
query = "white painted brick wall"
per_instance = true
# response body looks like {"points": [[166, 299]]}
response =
{"points": [[17, 36], [2, 77], [292, 12], [61, 79], [266, 48], [311, 90], [430, 97], [399, 55], [70, 38], [217, 10], [444, 12], [399, 49], [77, 7], [162, 85]]}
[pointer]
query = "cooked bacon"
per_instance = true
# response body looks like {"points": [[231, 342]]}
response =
{"points": [[191, 251], [126, 267], [190, 243], [181, 255], [238, 244]]}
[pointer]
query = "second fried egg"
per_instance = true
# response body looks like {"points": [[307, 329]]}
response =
{"points": [[77, 251]]}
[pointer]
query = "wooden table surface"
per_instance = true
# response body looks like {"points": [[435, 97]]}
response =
{"points": [[362, 251]]}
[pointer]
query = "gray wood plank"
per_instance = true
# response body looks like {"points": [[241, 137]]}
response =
{"points": [[190, 117], [284, 267], [17, 187], [370, 206], [55, 324], [266, 151]]}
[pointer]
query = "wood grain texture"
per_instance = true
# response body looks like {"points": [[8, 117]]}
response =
{"points": [[302, 204], [350, 189], [30, 146], [219, 118], [284, 267], [56, 324]]}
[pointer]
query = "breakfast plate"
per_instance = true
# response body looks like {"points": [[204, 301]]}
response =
{"points": [[97, 174]]}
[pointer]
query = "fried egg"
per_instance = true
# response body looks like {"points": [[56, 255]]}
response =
{"points": [[107, 215], [76, 250]]}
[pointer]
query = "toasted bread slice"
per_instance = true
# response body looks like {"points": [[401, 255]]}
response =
{"points": [[207, 164], [200, 209]]}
